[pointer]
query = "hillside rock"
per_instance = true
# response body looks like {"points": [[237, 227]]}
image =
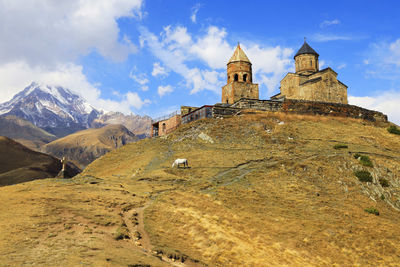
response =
{"points": [[85, 146]]}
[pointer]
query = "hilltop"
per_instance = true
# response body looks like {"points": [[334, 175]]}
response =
{"points": [[262, 189], [24, 132], [85, 146]]}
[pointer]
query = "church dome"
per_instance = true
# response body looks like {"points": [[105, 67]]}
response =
{"points": [[239, 55], [306, 49]]}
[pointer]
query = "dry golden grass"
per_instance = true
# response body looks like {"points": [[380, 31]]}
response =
{"points": [[260, 193]]}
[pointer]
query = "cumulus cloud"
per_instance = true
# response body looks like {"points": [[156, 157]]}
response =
{"points": [[41, 40], [50, 31], [140, 78], [195, 9], [383, 60], [176, 48], [159, 70], [327, 23], [386, 102], [162, 90], [134, 100]]}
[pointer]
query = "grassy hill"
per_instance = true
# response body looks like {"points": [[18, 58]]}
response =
{"points": [[19, 164], [263, 189], [24, 132], [85, 146]]}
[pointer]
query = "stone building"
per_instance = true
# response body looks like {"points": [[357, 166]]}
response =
{"points": [[240, 79], [165, 125], [311, 84]]}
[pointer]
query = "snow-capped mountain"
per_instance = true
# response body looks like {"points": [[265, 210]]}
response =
{"points": [[55, 109]]}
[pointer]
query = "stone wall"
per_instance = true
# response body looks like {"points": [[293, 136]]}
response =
{"points": [[267, 105], [300, 107], [331, 109]]}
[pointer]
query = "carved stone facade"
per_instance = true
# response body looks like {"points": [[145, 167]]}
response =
{"points": [[311, 84], [240, 79]]}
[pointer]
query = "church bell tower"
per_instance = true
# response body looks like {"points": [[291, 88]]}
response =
{"points": [[239, 79]]}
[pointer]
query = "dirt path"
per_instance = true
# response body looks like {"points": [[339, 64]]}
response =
{"points": [[134, 220]]}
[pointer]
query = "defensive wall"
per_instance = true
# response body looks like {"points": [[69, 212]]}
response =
{"points": [[300, 107]]}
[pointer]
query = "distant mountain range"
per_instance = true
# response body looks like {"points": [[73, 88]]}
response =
{"points": [[61, 112]]}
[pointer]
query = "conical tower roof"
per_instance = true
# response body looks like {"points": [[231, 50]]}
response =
{"points": [[239, 55], [306, 49]]}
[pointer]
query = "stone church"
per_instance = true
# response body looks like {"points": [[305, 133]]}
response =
{"points": [[309, 83]]}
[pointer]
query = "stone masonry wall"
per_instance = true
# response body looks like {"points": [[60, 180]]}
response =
{"points": [[331, 109], [300, 107]]}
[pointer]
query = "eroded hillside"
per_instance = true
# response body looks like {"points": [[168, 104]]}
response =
{"points": [[261, 190]]}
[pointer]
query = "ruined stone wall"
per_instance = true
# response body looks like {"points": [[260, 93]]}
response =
{"points": [[331, 109]]}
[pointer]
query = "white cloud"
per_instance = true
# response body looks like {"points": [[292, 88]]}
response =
{"points": [[195, 9], [342, 66], [322, 63], [162, 90], [159, 70], [327, 23], [134, 100], [177, 49], [51, 31], [140, 78], [213, 48], [332, 37], [383, 60], [386, 102]]}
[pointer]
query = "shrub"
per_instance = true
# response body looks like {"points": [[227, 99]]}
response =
{"points": [[356, 156], [363, 176], [384, 182], [364, 160], [339, 146], [382, 197], [372, 211], [393, 129]]}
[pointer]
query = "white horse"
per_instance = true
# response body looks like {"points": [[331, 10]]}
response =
{"points": [[180, 161]]}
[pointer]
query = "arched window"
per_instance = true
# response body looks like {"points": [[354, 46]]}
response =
{"points": [[236, 77], [245, 77], [164, 127], [311, 63], [228, 78]]}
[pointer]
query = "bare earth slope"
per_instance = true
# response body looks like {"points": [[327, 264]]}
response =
{"points": [[24, 132], [262, 190], [85, 146], [19, 164]]}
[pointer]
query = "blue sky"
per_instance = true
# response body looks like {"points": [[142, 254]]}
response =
{"points": [[150, 57]]}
